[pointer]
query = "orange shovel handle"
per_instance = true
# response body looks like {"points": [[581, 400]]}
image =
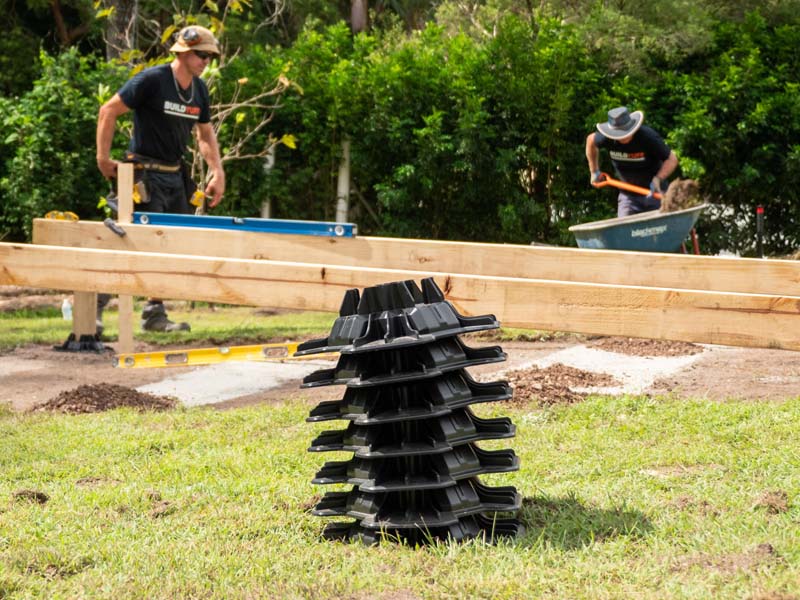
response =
{"points": [[628, 187]]}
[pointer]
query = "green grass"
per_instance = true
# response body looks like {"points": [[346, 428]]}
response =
{"points": [[221, 325], [624, 498]]}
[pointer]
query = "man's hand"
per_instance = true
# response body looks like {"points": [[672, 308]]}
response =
{"points": [[655, 187], [597, 177], [215, 189], [108, 167]]}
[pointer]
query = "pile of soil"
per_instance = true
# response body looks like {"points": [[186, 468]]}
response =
{"points": [[104, 396], [682, 193], [554, 385], [14, 297], [642, 347]]}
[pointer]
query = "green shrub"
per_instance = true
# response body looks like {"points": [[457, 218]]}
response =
{"points": [[49, 144]]}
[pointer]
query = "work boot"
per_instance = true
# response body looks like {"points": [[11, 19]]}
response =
{"points": [[154, 318], [102, 302]]}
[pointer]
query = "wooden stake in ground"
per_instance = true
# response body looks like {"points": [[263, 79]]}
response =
{"points": [[125, 217]]}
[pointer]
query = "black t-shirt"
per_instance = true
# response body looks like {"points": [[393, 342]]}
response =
{"points": [[163, 120], [639, 160]]}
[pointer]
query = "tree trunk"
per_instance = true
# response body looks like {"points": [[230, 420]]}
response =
{"points": [[65, 35], [343, 189], [121, 27], [358, 16]]}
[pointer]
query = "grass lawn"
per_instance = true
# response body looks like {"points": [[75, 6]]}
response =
{"points": [[624, 498], [218, 325]]}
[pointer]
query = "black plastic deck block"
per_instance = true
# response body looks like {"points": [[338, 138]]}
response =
{"points": [[489, 529], [408, 401], [408, 363], [433, 471], [86, 343], [431, 436], [405, 510], [409, 423], [394, 315]]}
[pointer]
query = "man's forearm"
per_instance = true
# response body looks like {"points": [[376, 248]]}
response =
{"points": [[668, 166], [209, 149], [592, 154], [106, 124]]}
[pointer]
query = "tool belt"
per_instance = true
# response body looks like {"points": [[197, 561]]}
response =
{"points": [[145, 163]]}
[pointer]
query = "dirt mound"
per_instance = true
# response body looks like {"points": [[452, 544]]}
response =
{"points": [[554, 385], [681, 193], [14, 297], [642, 347], [104, 396]]}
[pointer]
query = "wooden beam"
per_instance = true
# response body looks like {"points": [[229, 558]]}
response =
{"points": [[657, 313], [676, 271]]}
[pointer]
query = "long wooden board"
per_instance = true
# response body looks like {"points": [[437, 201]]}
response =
{"points": [[755, 276], [657, 313]]}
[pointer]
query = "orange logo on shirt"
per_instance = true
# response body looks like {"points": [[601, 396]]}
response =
{"points": [[627, 156]]}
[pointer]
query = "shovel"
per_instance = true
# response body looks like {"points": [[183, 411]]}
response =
{"points": [[628, 187]]}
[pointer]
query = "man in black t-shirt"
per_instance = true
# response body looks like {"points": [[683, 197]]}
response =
{"points": [[639, 156], [168, 102]]}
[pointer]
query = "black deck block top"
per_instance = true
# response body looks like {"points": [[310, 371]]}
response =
{"points": [[394, 315], [409, 422]]}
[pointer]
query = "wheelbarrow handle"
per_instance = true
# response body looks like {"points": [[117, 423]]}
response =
{"points": [[628, 187]]}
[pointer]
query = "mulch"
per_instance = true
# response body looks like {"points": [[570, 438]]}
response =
{"points": [[105, 396], [554, 384], [644, 347]]}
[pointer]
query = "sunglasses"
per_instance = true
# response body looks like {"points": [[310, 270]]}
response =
{"points": [[203, 55]]}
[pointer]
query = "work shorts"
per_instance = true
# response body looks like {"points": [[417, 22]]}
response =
{"points": [[632, 204], [166, 193]]}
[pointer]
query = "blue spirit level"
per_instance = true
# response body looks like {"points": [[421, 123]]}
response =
{"points": [[321, 228]]}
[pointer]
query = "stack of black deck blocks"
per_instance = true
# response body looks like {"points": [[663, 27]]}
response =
{"points": [[407, 402]]}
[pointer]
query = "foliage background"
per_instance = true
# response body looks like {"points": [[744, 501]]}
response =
{"points": [[467, 120]]}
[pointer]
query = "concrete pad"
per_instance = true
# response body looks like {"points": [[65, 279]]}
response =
{"points": [[217, 383], [636, 373]]}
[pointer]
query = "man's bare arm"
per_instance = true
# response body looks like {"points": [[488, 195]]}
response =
{"points": [[209, 148], [106, 123]]}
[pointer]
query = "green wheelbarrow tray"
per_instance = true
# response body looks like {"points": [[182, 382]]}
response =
{"points": [[651, 231]]}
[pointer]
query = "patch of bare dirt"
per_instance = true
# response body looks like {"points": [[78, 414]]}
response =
{"points": [[15, 297], [102, 397], [737, 374], [642, 347], [774, 502], [554, 384], [31, 496], [689, 504], [761, 555], [93, 481]]}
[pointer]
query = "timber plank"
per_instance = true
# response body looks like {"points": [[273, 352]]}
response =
{"points": [[656, 313], [675, 271]]}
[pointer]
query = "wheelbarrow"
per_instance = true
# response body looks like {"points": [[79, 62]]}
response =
{"points": [[652, 231]]}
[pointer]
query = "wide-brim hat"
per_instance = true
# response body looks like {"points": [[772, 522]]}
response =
{"points": [[621, 123], [195, 37]]}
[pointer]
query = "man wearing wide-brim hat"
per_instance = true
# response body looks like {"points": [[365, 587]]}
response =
{"points": [[639, 156], [168, 103]]}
